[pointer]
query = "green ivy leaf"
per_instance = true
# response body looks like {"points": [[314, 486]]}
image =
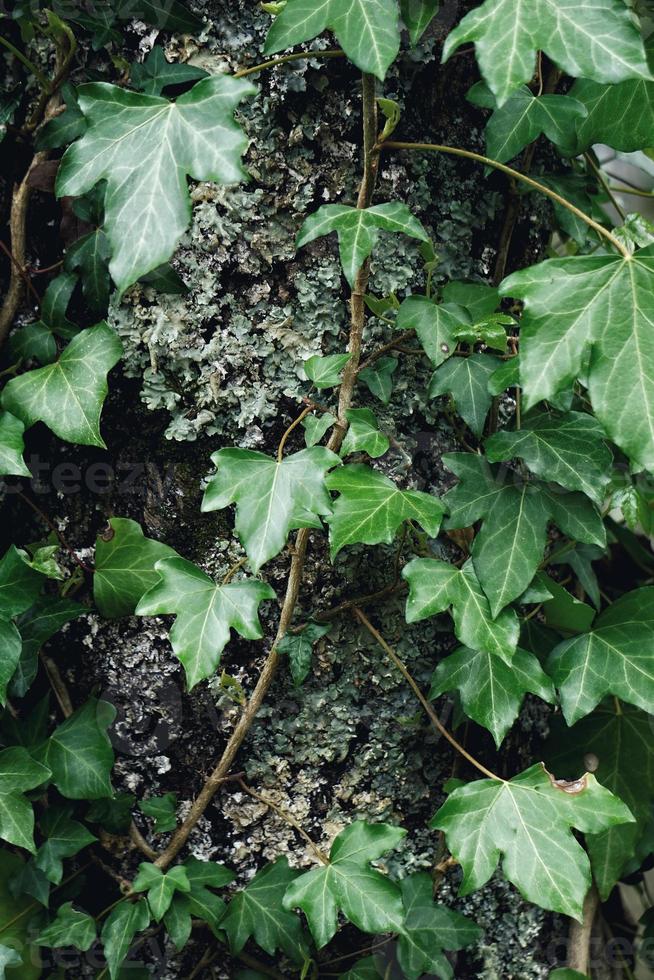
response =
{"points": [[622, 741], [363, 434], [125, 567], [429, 929], [565, 449], [378, 378], [510, 545], [257, 912], [67, 126], [272, 498], [65, 837], [298, 647], [34, 341], [79, 752], [526, 821], [524, 117], [466, 380], [205, 613], [325, 372], [89, 256], [435, 325], [69, 928], [12, 446], [417, 16], [436, 586], [614, 658], [200, 902], [36, 626], [8, 958], [505, 376], [478, 298], [68, 394], [15, 919], [11, 645], [370, 900], [489, 331], [160, 887], [370, 968], [565, 612], [371, 508], [20, 584], [195, 135], [569, 328], [358, 228], [161, 809], [594, 38], [55, 305], [315, 427], [118, 932], [492, 692], [621, 115], [18, 774], [156, 73], [367, 30], [114, 814]]}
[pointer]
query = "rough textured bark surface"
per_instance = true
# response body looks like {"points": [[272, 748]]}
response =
{"points": [[222, 366]]}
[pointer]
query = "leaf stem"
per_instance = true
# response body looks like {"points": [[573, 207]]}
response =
{"points": [[293, 425], [429, 711], [588, 157], [322, 857], [470, 155], [298, 56], [17, 53]]}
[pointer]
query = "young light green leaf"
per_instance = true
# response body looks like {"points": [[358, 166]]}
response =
{"points": [[65, 837], [19, 772], [79, 752], [428, 930], [12, 446], [325, 372], [466, 380], [367, 30], [565, 449], [315, 427], [162, 810], [378, 378], [68, 395], [592, 38], [436, 586], [299, 649], [524, 117], [156, 73], [272, 498], [510, 545], [492, 692], [160, 887], [68, 928], [570, 329], [367, 898], [527, 822], [614, 658], [435, 325], [363, 434], [158, 142], [125, 567], [205, 612], [20, 584], [491, 331], [371, 508], [358, 228], [622, 741], [36, 626], [257, 912], [417, 16], [118, 932]]}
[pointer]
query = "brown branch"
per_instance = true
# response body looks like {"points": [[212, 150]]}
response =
{"points": [[357, 320], [580, 933], [391, 345], [429, 711]]}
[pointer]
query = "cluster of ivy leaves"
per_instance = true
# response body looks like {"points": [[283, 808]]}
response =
{"points": [[565, 346]]}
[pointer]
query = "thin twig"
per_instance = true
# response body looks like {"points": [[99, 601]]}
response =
{"points": [[299, 56], [429, 711], [357, 319], [22, 272], [470, 155], [53, 527], [293, 425], [391, 345], [322, 857], [606, 187], [57, 684]]}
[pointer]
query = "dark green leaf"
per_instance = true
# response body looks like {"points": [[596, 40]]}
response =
{"points": [[69, 928], [299, 648], [156, 73], [79, 752], [466, 380], [125, 567]]}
